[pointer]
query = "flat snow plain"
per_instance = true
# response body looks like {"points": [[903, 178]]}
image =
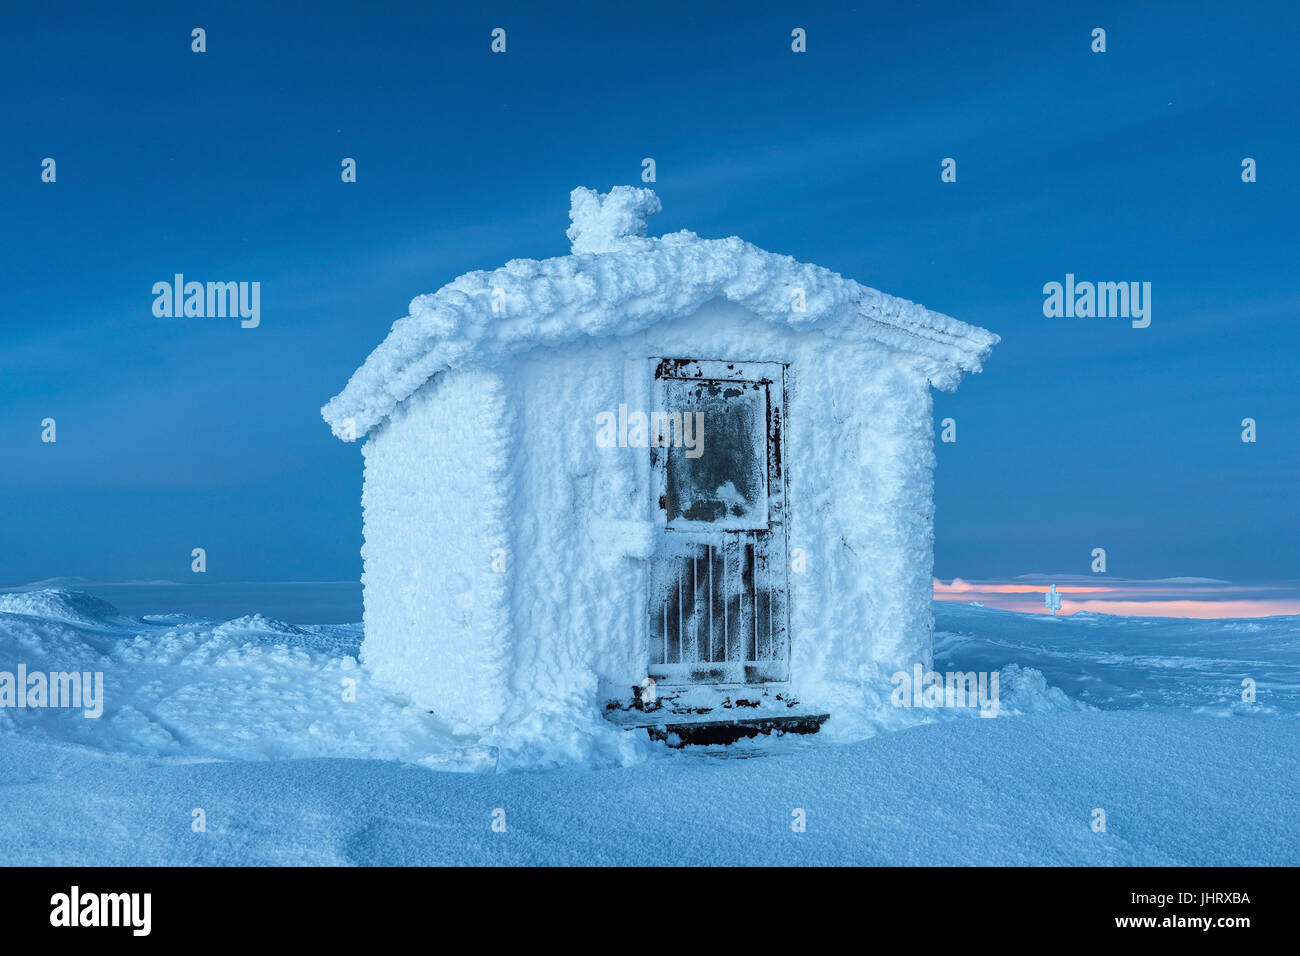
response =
{"points": [[243, 718]]}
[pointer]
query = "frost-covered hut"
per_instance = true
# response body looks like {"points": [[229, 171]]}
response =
{"points": [[678, 459]]}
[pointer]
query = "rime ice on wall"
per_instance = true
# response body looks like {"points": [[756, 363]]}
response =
{"points": [[482, 437], [435, 509], [859, 448]]}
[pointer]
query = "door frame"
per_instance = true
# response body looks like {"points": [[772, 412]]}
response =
{"points": [[772, 375]]}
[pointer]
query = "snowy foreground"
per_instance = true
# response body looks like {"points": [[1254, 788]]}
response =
{"points": [[245, 720]]}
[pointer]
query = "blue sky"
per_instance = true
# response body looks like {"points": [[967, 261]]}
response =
{"points": [[1083, 433]]}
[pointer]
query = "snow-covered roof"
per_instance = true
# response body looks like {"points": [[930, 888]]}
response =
{"points": [[618, 282]]}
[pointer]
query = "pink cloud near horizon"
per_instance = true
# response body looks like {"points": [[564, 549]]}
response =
{"points": [[1190, 598]]}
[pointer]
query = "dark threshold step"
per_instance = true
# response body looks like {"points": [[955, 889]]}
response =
{"points": [[714, 732]]}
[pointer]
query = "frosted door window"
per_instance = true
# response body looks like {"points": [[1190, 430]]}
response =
{"points": [[722, 480]]}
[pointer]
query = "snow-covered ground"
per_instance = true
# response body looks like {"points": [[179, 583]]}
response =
{"points": [[247, 720]]}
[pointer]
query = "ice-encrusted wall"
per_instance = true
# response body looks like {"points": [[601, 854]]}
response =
{"points": [[435, 508], [477, 461], [859, 462]]}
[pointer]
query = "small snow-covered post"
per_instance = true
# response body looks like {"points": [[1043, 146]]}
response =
{"points": [[1052, 600], [646, 693]]}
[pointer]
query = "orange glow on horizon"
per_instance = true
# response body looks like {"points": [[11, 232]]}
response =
{"points": [[1026, 598], [959, 586], [1197, 609]]}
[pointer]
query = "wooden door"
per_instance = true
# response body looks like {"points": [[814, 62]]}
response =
{"points": [[719, 593]]}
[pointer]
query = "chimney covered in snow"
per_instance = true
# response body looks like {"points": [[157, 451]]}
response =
{"points": [[599, 222]]}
